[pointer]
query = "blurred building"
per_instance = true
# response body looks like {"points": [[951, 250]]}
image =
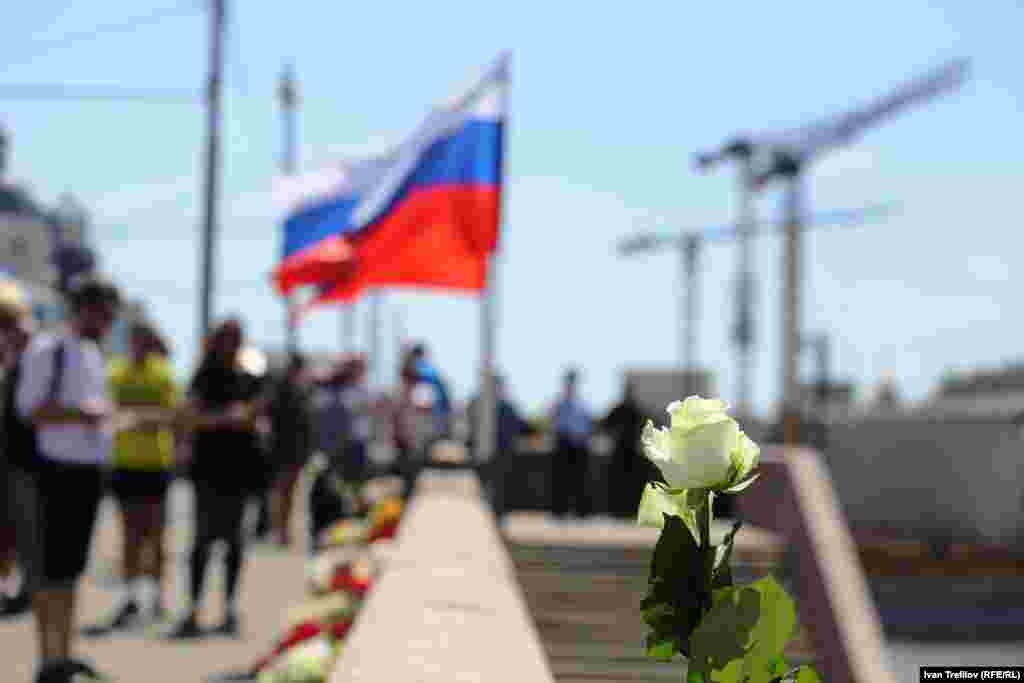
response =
{"points": [[25, 253], [655, 388], [990, 393], [829, 401], [41, 248], [948, 468]]}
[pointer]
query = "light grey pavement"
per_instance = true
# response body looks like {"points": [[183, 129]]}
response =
{"points": [[273, 582]]}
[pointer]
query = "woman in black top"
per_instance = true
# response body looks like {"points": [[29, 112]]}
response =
{"points": [[291, 430], [629, 470], [223, 407]]}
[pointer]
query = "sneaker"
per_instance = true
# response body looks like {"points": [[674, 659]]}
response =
{"points": [[124, 619], [188, 629], [158, 613], [229, 627], [234, 677], [68, 669], [16, 606]]}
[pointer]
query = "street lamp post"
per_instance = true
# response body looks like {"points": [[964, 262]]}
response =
{"points": [[211, 181], [288, 97], [689, 250]]}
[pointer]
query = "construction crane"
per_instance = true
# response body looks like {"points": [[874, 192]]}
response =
{"points": [[786, 155], [820, 345], [689, 243]]}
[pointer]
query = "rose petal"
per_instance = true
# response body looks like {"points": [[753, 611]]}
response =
{"points": [[702, 457], [696, 411], [744, 455]]}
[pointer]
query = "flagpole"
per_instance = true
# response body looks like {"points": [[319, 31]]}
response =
{"points": [[348, 327], [375, 338], [486, 443]]}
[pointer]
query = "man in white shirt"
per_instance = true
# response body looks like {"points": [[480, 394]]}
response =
{"points": [[63, 392]]}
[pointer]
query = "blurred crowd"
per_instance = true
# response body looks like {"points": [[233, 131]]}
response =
{"points": [[78, 426]]}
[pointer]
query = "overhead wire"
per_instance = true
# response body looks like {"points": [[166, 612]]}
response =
{"points": [[133, 24], [63, 91]]}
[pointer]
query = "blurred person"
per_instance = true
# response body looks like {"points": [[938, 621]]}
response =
{"points": [[360, 408], [62, 390], [15, 333], [223, 410], [413, 420], [402, 424], [146, 395], [630, 470], [291, 435], [570, 464], [332, 420], [427, 373], [264, 474], [510, 426]]}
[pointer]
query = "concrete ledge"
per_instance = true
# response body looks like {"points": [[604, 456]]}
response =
{"points": [[447, 606], [795, 498]]}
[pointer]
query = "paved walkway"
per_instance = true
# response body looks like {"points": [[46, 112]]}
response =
{"points": [[273, 582]]}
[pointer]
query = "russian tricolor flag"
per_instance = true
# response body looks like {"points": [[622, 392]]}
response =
{"points": [[424, 215]]}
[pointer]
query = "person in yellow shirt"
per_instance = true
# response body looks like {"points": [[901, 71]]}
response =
{"points": [[144, 389]]}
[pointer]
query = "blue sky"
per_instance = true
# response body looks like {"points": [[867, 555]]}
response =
{"points": [[608, 107]]}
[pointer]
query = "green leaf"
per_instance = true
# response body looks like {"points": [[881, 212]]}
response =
{"points": [[723, 572], [774, 629], [778, 667], [695, 677], [807, 675], [748, 625], [724, 633], [662, 650], [733, 673], [677, 596], [696, 499]]}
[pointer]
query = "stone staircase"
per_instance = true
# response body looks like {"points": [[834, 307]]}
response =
{"points": [[584, 582]]}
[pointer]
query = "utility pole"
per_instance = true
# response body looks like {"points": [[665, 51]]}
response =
{"points": [[288, 97], [689, 249], [211, 187], [820, 345], [789, 169], [743, 332]]}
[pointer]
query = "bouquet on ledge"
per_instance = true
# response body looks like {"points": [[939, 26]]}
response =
{"points": [[339, 577], [729, 633]]}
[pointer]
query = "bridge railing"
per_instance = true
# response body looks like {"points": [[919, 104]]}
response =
{"points": [[447, 606], [796, 499]]}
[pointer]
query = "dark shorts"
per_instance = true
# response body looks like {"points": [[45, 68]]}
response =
{"points": [[23, 505], [139, 485], [59, 529]]}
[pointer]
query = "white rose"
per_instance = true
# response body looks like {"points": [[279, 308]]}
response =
{"points": [[308, 662], [702, 449]]}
